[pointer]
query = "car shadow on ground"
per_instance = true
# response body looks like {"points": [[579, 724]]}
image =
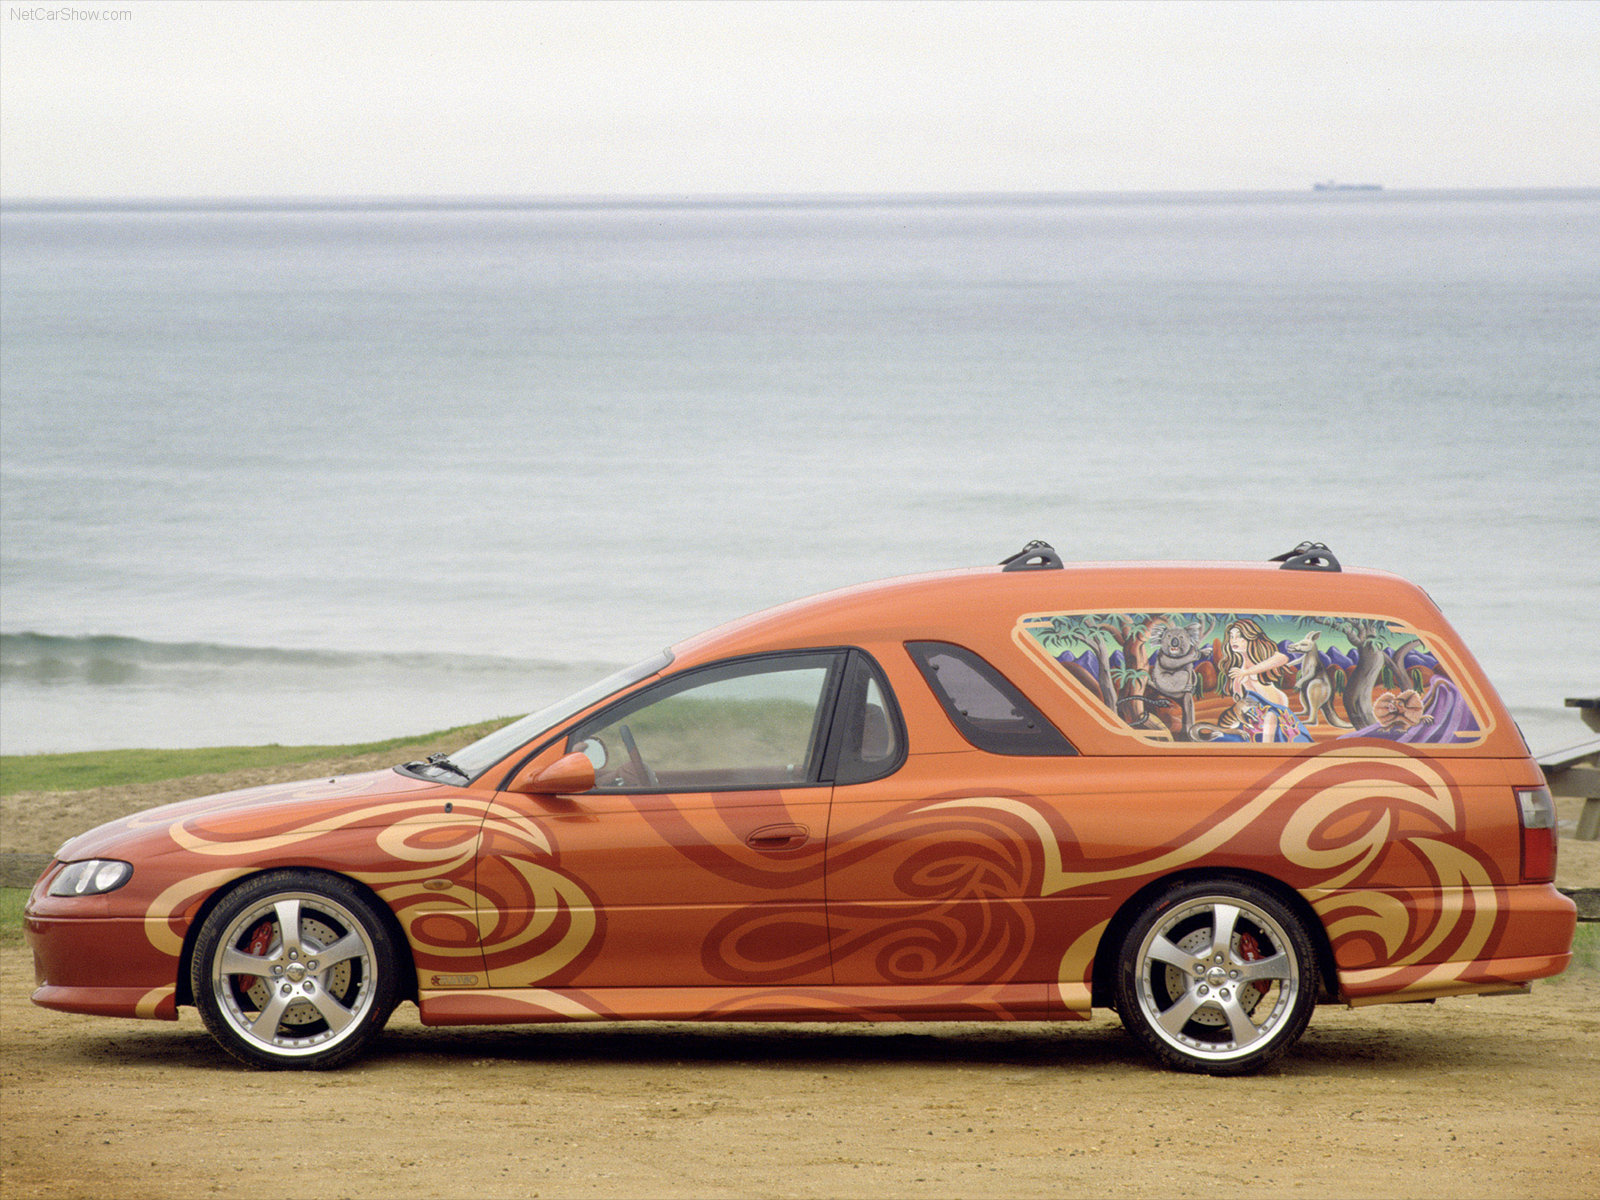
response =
{"points": [[821, 1047], [1337, 1049]]}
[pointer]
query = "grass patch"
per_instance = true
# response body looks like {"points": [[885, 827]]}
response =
{"points": [[1585, 950], [111, 768], [11, 902], [689, 733]]}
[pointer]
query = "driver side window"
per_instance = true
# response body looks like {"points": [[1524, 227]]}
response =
{"points": [[739, 725]]}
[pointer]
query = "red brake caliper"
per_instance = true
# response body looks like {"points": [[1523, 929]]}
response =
{"points": [[1250, 951], [259, 941]]}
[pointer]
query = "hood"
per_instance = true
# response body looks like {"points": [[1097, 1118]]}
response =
{"points": [[273, 803]]}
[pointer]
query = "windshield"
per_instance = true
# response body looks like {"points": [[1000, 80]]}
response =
{"points": [[472, 761]]}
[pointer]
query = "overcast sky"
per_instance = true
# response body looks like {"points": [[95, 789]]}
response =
{"points": [[212, 98]]}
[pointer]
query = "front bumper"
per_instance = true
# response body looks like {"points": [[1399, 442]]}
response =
{"points": [[89, 957]]}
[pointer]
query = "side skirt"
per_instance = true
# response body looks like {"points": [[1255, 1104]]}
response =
{"points": [[496, 1006]]}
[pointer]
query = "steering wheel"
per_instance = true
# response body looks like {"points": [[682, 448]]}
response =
{"points": [[632, 747]]}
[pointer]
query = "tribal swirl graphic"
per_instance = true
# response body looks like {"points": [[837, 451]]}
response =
{"points": [[470, 886], [1338, 822], [948, 892], [960, 876]]}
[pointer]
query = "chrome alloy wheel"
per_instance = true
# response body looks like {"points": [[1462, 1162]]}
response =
{"points": [[293, 974], [1217, 978]]}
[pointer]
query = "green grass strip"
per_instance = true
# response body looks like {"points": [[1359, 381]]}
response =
{"points": [[1586, 949], [111, 768], [11, 902]]}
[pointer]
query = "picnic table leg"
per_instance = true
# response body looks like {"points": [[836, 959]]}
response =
{"points": [[1589, 821]]}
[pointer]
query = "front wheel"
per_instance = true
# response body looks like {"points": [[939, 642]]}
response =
{"points": [[294, 969], [1217, 976]]}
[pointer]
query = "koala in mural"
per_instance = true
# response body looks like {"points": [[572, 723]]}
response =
{"points": [[1172, 675]]}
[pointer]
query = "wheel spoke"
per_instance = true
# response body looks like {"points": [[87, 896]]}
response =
{"points": [[237, 962], [1162, 949], [335, 1014], [265, 1026], [1223, 918], [1176, 1017], [1244, 1029], [1276, 966], [347, 947], [289, 924]]}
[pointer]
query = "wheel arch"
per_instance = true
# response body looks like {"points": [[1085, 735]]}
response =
{"points": [[1105, 956], [402, 944]]}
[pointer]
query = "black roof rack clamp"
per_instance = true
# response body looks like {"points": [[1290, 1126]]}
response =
{"points": [[1308, 556], [1035, 556]]}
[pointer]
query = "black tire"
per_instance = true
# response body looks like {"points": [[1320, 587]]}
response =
{"points": [[1216, 976], [314, 999]]}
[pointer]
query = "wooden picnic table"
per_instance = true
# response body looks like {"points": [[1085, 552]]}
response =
{"points": [[1575, 771]]}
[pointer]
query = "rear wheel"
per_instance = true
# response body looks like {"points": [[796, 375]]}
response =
{"points": [[294, 969], [1217, 976]]}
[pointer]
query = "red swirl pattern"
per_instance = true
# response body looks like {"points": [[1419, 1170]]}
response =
{"points": [[948, 892]]}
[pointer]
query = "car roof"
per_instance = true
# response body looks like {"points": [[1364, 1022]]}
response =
{"points": [[940, 605]]}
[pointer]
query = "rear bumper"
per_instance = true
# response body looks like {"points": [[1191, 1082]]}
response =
{"points": [[1486, 977], [1531, 939]]}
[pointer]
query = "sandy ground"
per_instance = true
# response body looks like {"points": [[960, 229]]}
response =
{"points": [[1485, 1097], [1481, 1097]]}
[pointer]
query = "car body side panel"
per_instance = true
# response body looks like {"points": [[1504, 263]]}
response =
{"points": [[635, 890], [944, 875], [1411, 866]]}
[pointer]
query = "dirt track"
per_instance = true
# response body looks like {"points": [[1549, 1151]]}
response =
{"points": [[1490, 1097]]}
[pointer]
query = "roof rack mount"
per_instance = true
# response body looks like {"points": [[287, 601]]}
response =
{"points": [[1035, 556], [1308, 556]]}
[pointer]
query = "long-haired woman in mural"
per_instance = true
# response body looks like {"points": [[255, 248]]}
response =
{"points": [[1252, 666]]}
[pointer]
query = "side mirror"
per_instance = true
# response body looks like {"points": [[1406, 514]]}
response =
{"points": [[570, 773]]}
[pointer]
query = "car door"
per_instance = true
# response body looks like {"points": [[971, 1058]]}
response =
{"points": [[936, 872], [697, 859]]}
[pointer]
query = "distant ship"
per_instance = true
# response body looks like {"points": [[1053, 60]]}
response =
{"points": [[1331, 186]]}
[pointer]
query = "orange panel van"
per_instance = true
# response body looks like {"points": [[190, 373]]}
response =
{"points": [[1209, 796]]}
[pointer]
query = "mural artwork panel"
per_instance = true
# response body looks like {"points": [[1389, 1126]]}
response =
{"points": [[1232, 678]]}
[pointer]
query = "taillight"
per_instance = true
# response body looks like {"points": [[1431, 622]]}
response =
{"points": [[1538, 813]]}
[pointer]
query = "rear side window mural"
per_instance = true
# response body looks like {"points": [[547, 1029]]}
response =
{"points": [[1256, 677]]}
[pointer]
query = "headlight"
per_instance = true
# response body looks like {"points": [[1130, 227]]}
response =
{"points": [[95, 877]]}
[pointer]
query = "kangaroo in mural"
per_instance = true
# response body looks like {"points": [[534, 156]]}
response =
{"points": [[1315, 683]]}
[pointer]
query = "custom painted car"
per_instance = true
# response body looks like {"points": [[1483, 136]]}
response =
{"points": [[1209, 796]]}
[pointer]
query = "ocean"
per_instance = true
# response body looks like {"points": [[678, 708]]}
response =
{"points": [[334, 471]]}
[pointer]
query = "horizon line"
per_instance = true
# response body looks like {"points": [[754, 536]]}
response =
{"points": [[557, 200]]}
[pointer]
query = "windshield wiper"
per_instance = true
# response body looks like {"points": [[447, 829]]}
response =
{"points": [[440, 762], [443, 760]]}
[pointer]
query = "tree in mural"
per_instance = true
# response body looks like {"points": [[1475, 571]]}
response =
{"points": [[1105, 634], [1132, 690], [1122, 632], [1367, 637]]}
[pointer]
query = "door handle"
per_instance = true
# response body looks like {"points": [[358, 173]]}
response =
{"points": [[778, 837]]}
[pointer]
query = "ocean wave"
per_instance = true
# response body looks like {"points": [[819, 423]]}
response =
{"points": [[114, 660]]}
